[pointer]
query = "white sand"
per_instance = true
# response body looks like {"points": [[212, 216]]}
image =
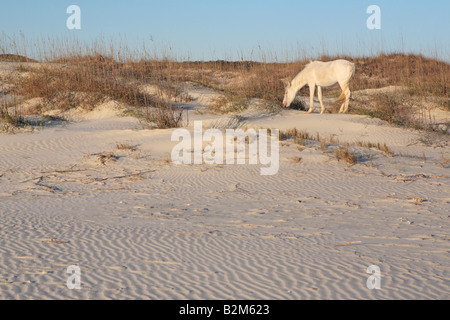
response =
{"points": [[141, 227]]}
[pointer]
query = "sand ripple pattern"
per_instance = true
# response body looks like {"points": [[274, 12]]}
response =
{"points": [[140, 227], [189, 245]]}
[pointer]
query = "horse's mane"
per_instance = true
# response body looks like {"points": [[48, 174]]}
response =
{"points": [[309, 64]]}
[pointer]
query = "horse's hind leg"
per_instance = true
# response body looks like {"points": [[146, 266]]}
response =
{"points": [[347, 99], [346, 92]]}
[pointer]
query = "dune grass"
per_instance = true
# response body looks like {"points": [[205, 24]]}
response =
{"points": [[76, 76]]}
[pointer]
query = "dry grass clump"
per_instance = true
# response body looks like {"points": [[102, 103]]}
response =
{"points": [[294, 133], [228, 104], [84, 82], [126, 147], [15, 58], [344, 154], [444, 162], [263, 82], [382, 147], [296, 159], [71, 87], [392, 108], [105, 157], [301, 137], [400, 108], [162, 117], [426, 76], [12, 118]]}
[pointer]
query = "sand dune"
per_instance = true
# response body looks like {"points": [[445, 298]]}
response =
{"points": [[141, 227]]}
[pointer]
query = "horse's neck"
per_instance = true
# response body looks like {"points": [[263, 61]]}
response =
{"points": [[299, 81]]}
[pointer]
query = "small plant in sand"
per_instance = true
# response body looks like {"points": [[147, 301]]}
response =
{"points": [[382, 147], [294, 133], [444, 162], [344, 154], [296, 159], [126, 147], [323, 145], [105, 157], [163, 117], [228, 104], [11, 116]]}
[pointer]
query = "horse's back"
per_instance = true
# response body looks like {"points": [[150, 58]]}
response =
{"points": [[344, 68], [341, 63], [329, 72], [338, 64]]}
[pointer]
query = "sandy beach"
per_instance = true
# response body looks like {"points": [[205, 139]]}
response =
{"points": [[139, 226]]}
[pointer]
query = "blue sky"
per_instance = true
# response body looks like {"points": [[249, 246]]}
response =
{"points": [[207, 30]]}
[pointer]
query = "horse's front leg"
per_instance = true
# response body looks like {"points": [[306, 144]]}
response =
{"points": [[319, 95], [312, 88]]}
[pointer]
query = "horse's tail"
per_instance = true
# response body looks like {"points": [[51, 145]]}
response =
{"points": [[341, 97]]}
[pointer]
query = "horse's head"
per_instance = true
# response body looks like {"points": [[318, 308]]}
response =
{"points": [[289, 95]]}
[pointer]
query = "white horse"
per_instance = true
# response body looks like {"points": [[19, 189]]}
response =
{"points": [[322, 74]]}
